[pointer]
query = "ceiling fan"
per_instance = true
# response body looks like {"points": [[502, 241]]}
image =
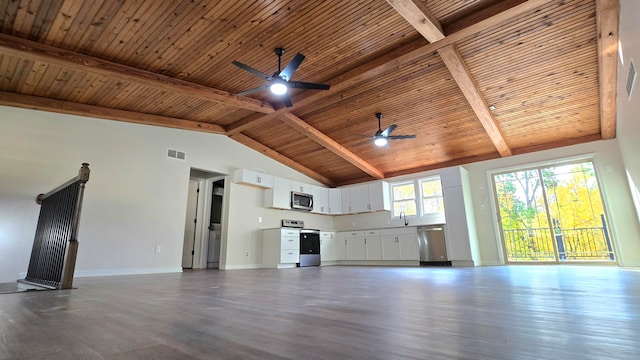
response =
{"points": [[280, 82], [381, 137]]}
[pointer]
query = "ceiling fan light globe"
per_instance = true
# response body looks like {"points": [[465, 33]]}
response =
{"points": [[380, 141], [278, 88]]}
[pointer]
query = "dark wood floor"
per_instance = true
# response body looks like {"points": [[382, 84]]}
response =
{"points": [[516, 312]]}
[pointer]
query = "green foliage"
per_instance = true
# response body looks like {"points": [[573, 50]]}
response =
{"points": [[575, 207]]}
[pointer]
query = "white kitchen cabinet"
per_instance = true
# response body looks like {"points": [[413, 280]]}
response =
{"points": [[253, 178], [335, 201], [399, 244], [341, 246], [390, 247], [328, 246], [360, 198], [279, 196], [366, 198], [457, 234], [301, 187], [373, 245], [345, 199], [320, 199], [280, 248], [355, 246], [379, 196]]}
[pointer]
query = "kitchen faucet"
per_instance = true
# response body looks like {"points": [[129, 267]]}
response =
{"points": [[406, 222]]}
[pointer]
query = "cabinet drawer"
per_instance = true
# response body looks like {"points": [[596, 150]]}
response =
{"points": [[290, 243], [289, 256], [326, 235], [372, 233], [290, 232], [351, 234], [407, 230]]}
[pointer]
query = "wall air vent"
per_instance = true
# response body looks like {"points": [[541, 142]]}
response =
{"points": [[631, 79], [176, 154]]}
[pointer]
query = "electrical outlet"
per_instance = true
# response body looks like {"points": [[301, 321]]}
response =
{"points": [[246, 254], [259, 219], [158, 248]]}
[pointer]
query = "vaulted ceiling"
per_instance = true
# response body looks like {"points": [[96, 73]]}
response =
{"points": [[473, 79]]}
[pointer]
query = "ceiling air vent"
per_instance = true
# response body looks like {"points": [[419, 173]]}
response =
{"points": [[176, 154], [631, 79]]}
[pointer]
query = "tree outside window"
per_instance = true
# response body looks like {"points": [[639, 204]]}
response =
{"points": [[404, 199], [432, 200]]}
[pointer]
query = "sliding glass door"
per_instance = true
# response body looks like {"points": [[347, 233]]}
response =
{"points": [[552, 214]]}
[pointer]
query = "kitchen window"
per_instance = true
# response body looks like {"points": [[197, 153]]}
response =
{"points": [[419, 197], [431, 192], [404, 198]]}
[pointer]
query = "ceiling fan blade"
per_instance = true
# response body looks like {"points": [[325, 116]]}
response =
{"points": [[254, 90], [398, 137], [388, 130], [307, 85], [287, 73], [252, 70], [287, 100]]}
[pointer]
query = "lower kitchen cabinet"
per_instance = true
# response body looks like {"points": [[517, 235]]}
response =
{"points": [[341, 246], [280, 248], [408, 247], [328, 246], [373, 245], [355, 246], [399, 244]]}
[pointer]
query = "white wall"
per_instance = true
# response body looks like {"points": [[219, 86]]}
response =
{"points": [[136, 197], [628, 120]]}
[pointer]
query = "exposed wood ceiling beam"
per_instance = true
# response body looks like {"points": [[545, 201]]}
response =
{"points": [[428, 26], [71, 108], [607, 19], [458, 69], [418, 16], [330, 144], [478, 13], [248, 122], [15, 46], [245, 140], [406, 54]]}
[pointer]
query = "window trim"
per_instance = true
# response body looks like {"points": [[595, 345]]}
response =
{"points": [[420, 181], [419, 196], [393, 200]]}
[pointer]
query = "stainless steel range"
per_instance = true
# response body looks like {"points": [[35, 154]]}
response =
{"points": [[309, 243]]}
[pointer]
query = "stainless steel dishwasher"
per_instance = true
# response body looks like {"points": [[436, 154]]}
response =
{"points": [[431, 245]]}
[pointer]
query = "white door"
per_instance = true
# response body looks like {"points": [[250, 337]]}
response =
{"points": [[190, 225]]}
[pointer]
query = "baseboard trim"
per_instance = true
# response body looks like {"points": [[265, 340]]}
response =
{"points": [[462, 263], [130, 271], [240, 267], [378, 263]]}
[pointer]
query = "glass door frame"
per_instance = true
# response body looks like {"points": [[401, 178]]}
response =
{"points": [[538, 168]]}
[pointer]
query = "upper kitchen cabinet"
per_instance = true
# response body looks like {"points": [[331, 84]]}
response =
{"points": [[335, 201], [320, 199], [301, 187], [253, 178], [279, 196], [366, 198]]}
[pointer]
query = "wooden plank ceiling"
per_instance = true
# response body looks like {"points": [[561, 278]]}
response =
{"points": [[473, 80]]}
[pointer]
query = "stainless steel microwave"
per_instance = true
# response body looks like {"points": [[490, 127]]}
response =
{"points": [[301, 201]]}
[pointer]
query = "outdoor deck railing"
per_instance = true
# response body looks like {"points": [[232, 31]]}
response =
{"points": [[578, 244]]}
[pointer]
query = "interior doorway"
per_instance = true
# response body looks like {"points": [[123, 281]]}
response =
{"points": [[203, 220], [553, 214]]}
